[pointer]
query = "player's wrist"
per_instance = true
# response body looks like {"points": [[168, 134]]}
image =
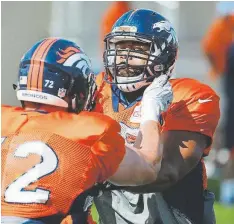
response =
{"points": [[150, 111]]}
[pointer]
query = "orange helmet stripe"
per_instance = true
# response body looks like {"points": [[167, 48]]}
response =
{"points": [[31, 65], [41, 68], [36, 62]]}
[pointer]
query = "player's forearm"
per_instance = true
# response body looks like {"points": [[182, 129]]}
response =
{"points": [[156, 99], [141, 163], [150, 143], [133, 170], [144, 164]]}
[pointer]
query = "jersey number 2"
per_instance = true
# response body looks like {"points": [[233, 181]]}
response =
{"points": [[15, 192]]}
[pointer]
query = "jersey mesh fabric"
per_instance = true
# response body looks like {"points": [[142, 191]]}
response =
{"points": [[75, 173], [87, 152]]}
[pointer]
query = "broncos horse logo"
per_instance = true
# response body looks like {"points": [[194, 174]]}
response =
{"points": [[163, 26], [167, 27], [72, 56]]}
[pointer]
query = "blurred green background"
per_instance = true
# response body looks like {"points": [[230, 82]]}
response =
{"points": [[224, 214]]}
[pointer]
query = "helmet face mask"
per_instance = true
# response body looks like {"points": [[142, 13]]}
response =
{"points": [[82, 97], [127, 61], [136, 52], [131, 58]]}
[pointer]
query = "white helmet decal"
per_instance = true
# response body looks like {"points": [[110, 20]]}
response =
{"points": [[163, 25]]}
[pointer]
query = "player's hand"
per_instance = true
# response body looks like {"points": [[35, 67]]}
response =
{"points": [[156, 99]]}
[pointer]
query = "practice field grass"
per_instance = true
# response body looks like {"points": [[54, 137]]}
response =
{"points": [[94, 213], [224, 215]]}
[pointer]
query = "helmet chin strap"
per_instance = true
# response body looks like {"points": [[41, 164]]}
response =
{"points": [[131, 87]]}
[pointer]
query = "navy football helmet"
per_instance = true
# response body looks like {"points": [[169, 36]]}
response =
{"points": [[148, 28], [57, 72]]}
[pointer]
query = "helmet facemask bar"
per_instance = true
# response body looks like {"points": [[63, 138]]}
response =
{"points": [[82, 97], [115, 68], [157, 63], [144, 73], [92, 93]]}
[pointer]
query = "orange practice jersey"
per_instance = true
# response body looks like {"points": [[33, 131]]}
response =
{"points": [[217, 41], [195, 107], [50, 159]]}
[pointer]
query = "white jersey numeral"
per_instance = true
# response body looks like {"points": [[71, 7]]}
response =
{"points": [[15, 192], [2, 139]]}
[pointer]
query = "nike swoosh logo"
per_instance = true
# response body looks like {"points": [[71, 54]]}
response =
{"points": [[204, 101]]}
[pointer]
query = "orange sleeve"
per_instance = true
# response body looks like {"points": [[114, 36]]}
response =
{"points": [[109, 151], [216, 43], [211, 39], [196, 115], [213, 47], [112, 14]]}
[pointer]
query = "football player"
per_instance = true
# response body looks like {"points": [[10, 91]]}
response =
{"points": [[142, 47], [53, 149]]}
